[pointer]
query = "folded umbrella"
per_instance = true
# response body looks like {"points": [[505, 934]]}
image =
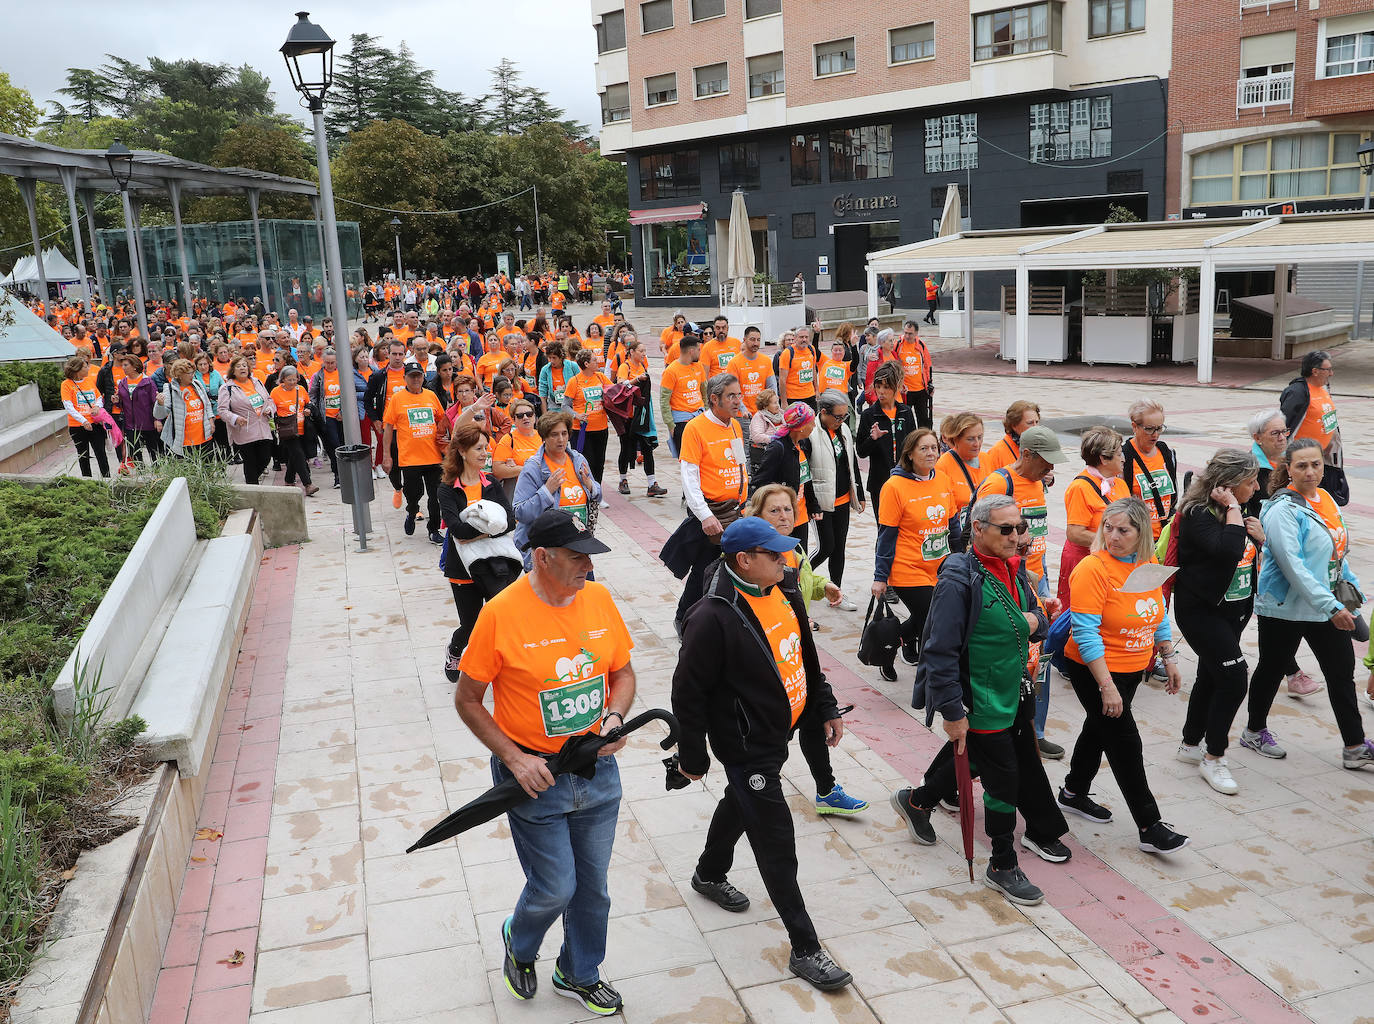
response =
{"points": [[965, 783], [578, 757]]}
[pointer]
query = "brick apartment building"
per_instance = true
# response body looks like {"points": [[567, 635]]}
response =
{"points": [[844, 124]]}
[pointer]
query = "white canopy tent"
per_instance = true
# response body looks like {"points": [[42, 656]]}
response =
{"points": [[57, 269], [1210, 246]]}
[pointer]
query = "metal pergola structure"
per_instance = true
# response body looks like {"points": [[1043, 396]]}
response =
{"points": [[1209, 245], [84, 172]]}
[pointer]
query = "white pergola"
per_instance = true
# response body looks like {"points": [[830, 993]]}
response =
{"points": [[1210, 246]]}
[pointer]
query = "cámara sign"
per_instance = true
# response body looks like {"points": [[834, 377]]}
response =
{"points": [[849, 204]]}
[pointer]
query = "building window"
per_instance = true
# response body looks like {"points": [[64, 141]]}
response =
{"points": [[915, 42], [806, 159], [1017, 30], [615, 103], [858, 154], [660, 89], [1119, 182], [937, 197], [834, 58], [669, 175], [761, 8], [765, 76], [1074, 129], [1309, 166], [803, 225], [676, 258], [739, 166], [655, 16], [712, 80], [610, 32], [703, 9], [1113, 17], [952, 143], [1350, 54]]}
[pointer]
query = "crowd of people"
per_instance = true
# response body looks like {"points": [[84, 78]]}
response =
{"points": [[501, 423]]}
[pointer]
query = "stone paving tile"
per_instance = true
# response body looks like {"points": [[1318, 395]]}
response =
{"points": [[434, 981], [312, 917], [1295, 961]]}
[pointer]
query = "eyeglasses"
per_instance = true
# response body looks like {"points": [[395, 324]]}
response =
{"points": [[1152, 431], [1006, 529], [1276, 434]]}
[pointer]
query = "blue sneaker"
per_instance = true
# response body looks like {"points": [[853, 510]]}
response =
{"points": [[837, 801]]}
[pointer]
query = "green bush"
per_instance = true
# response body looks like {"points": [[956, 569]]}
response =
{"points": [[14, 376]]}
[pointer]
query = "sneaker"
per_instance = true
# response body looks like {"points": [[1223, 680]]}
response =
{"points": [[844, 604], [655, 491], [950, 803], [819, 970], [598, 997], [451, 662], [837, 801], [435, 537], [1356, 758], [1014, 885], [311, 490], [521, 981], [410, 525], [316, 463], [1160, 671], [1050, 750], [1218, 775], [910, 654], [1262, 742], [1189, 753], [396, 499], [1300, 684], [1084, 807], [336, 483], [888, 672], [624, 487], [917, 818], [722, 894], [1051, 850], [1160, 838]]}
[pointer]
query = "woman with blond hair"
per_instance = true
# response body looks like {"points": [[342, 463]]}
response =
{"points": [[1087, 495], [185, 409]]}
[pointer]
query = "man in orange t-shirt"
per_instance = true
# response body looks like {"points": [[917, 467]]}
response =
{"points": [[916, 371], [415, 419], [719, 348], [797, 371], [682, 386], [753, 371]]}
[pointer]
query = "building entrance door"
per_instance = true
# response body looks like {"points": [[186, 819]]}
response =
{"points": [[851, 253]]}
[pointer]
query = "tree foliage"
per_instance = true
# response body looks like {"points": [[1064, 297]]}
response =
{"points": [[19, 116]]}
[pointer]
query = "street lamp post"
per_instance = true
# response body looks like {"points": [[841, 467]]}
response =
{"points": [[309, 55], [539, 245], [396, 230], [520, 245], [1366, 155], [121, 162]]}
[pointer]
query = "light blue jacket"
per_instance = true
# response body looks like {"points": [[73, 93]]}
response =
{"points": [[554, 400], [532, 497], [1293, 574]]}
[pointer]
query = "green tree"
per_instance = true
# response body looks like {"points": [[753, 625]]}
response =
{"points": [[91, 93], [262, 147], [511, 107], [19, 115]]}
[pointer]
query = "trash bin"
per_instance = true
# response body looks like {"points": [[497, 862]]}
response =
{"points": [[355, 473]]}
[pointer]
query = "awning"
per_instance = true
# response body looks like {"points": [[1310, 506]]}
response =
{"points": [[666, 213]]}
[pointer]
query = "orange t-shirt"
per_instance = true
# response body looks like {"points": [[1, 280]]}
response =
{"points": [[395, 382], [912, 357], [798, 367], [585, 391], [752, 375], [667, 338], [515, 446], [606, 320], [948, 464], [548, 667], [289, 402], [262, 365], [1144, 487], [834, 374], [83, 395], [1000, 455], [1319, 422], [196, 433], [920, 510], [685, 385], [415, 419], [717, 355], [330, 394], [487, 365], [572, 496], [718, 452], [1128, 620], [1084, 500], [1030, 498], [779, 623]]}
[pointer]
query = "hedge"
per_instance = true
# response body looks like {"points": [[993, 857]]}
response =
{"points": [[14, 376]]}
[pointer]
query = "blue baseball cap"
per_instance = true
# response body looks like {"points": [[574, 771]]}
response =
{"points": [[750, 532]]}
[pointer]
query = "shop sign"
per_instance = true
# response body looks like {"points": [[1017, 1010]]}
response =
{"points": [[851, 205]]}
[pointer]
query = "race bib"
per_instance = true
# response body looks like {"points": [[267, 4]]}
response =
{"points": [[805, 473], [331, 401], [592, 396], [806, 374], [723, 358], [421, 420], [1242, 584], [1329, 419], [1038, 522], [834, 375], [1333, 572], [86, 397], [255, 400], [558, 396], [935, 546], [572, 707]]}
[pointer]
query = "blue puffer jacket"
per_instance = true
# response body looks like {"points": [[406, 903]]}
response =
{"points": [[1297, 551]]}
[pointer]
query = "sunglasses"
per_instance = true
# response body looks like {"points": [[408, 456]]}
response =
{"points": [[775, 555], [1006, 529], [524, 415]]}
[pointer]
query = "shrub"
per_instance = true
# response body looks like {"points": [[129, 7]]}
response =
{"points": [[48, 376]]}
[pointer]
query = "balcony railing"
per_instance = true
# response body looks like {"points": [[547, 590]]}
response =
{"points": [[1265, 91], [1266, 5]]}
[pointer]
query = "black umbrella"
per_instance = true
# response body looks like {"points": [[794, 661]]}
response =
{"points": [[578, 757]]}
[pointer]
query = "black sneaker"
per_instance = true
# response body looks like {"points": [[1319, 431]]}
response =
{"points": [[598, 997], [819, 970], [435, 537], [1084, 807], [521, 981], [1160, 838], [451, 663], [1051, 850], [410, 525], [917, 818], [1014, 885], [722, 894], [910, 653], [1049, 750], [950, 803], [888, 672]]}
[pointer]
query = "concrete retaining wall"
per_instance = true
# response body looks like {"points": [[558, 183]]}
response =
{"points": [[281, 512], [27, 433]]}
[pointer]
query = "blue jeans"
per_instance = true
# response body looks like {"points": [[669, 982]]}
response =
{"points": [[1042, 698], [563, 839]]}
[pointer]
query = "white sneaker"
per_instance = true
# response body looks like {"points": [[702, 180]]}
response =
{"points": [[844, 604], [1189, 753], [1218, 775]]}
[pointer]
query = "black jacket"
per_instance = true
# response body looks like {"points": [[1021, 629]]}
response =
{"points": [[1209, 549], [1293, 403], [727, 685], [879, 453], [452, 500], [942, 678], [780, 464], [374, 398]]}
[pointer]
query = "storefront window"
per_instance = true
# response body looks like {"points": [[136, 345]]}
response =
{"points": [[952, 143], [669, 175], [806, 159], [1309, 166], [676, 258], [859, 154]]}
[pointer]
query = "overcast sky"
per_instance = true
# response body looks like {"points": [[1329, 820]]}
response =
{"points": [[551, 40]]}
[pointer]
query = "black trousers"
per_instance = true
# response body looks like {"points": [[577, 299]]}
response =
{"points": [[917, 601], [832, 531], [467, 598], [678, 428], [221, 440], [999, 759], [1278, 643], [1118, 738], [694, 584], [811, 737], [1221, 671], [87, 442], [256, 455], [932, 307], [293, 458], [422, 482], [594, 451], [922, 405], [630, 444], [754, 805], [799, 535], [394, 475], [148, 444], [332, 437]]}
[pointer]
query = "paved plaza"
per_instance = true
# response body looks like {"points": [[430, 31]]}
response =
{"points": [[341, 745]]}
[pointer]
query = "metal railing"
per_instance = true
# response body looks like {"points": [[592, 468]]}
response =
{"points": [[1265, 91], [765, 294], [1266, 5]]}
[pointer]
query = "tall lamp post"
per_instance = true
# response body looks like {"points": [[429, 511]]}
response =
{"points": [[1366, 155], [396, 230], [309, 55], [520, 246], [121, 162]]}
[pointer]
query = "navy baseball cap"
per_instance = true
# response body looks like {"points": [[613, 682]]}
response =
{"points": [[555, 528], [750, 532]]}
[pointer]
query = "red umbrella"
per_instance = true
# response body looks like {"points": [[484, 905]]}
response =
{"points": [[965, 783]]}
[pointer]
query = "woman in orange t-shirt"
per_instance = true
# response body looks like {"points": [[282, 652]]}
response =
{"points": [[1087, 495], [582, 397], [293, 403], [513, 450], [82, 400]]}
